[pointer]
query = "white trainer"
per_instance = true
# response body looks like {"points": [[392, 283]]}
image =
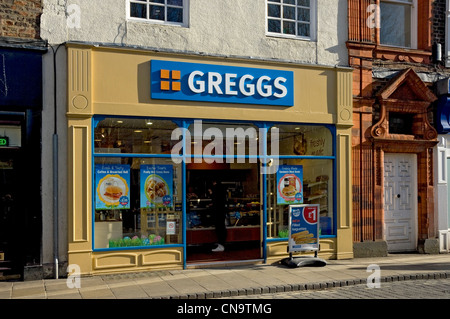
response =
{"points": [[218, 248]]}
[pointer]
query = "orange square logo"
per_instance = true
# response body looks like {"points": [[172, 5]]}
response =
{"points": [[165, 74], [176, 86], [165, 85], [176, 75]]}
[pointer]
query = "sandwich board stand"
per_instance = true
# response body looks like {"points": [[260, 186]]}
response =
{"points": [[303, 236]]}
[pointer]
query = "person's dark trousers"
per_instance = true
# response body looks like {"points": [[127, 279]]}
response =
{"points": [[221, 230]]}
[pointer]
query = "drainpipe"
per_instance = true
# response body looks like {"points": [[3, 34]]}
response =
{"points": [[55, 170]]}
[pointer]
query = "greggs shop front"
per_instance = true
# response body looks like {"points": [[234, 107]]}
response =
{"points": [[160, 143]]}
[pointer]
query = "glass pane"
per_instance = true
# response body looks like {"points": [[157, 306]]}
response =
{"points": [[303, 14], [289, 12], [124, 135], [274, 10], [289, 1], [304, 3], [174, 14], [175, 3], [278, 1], [138, 10], [288, 27], [316, 187], [157, 13], [149, 209], [395, 24], [303, 29], [300, 140], [156, 1], [274, 26]]}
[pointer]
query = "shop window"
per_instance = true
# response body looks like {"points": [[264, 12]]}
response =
{"points": [[138, 183], [292, 18], [314, 140], [127, 135], [137, 202], [159, 11], [315, 186], [398, 23]]}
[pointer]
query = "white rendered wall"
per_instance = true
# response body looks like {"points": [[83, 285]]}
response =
{"points": [[215, 27]]}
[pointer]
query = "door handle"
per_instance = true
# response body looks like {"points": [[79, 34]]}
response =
{"points": [[398, 195]]}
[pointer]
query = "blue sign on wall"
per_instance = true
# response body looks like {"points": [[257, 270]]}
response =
{"points": [[21, 78], [171, 80]]}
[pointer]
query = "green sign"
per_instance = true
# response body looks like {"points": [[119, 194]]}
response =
{"points": [[4, 141]]}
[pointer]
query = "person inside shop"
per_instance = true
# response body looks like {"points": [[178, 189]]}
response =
{"points": [[218, 195], [191, 193]]}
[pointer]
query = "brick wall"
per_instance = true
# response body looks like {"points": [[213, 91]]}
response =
{"points": [[20, 18]]}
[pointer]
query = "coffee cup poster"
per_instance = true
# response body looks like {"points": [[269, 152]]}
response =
{"points": [[290, 184], [156, 186], [112, 185]]}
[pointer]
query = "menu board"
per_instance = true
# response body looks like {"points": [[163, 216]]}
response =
{"points": [[290, 184], [156, 186], [112, 186]]}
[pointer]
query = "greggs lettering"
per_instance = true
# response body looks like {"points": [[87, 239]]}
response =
{"points": [[172, 80]]}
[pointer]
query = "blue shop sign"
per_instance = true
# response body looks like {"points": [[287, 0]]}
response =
{"points": [[171, 80]]}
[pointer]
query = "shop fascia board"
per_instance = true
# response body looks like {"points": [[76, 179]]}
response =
{"points": [[235, 58]]}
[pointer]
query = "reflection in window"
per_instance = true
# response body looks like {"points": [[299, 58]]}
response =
{"points": [[122, 135], [316, 188], [302, 140], [170, 11], [290, 17], [396, 23]]}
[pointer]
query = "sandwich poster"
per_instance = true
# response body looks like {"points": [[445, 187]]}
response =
{"points": [[303, 227], [156, 186], [112, 186], [290, 184]]}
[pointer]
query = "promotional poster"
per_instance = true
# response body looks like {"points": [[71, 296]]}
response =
{"points": [[290, 184], [156, 186], [112, 186], [303, 227]]}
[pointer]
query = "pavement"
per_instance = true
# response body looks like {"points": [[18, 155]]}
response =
{"points": [[233, 280]]}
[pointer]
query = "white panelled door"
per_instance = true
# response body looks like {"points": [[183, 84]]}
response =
{"points": [[400, 202]]}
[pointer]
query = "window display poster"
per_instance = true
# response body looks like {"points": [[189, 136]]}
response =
{"points": [[156, 186], [290, 184], [303, 227], [112, 186]]}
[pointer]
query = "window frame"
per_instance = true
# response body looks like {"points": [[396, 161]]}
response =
{"points": [[312, 22], [185, 7], [414, 24]]}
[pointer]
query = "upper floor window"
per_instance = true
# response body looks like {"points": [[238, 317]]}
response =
{"points": [[294, 18], [398, 23], [160, 11]]}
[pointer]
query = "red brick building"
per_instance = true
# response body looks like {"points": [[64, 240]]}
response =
{"points": [[390, 46]]}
